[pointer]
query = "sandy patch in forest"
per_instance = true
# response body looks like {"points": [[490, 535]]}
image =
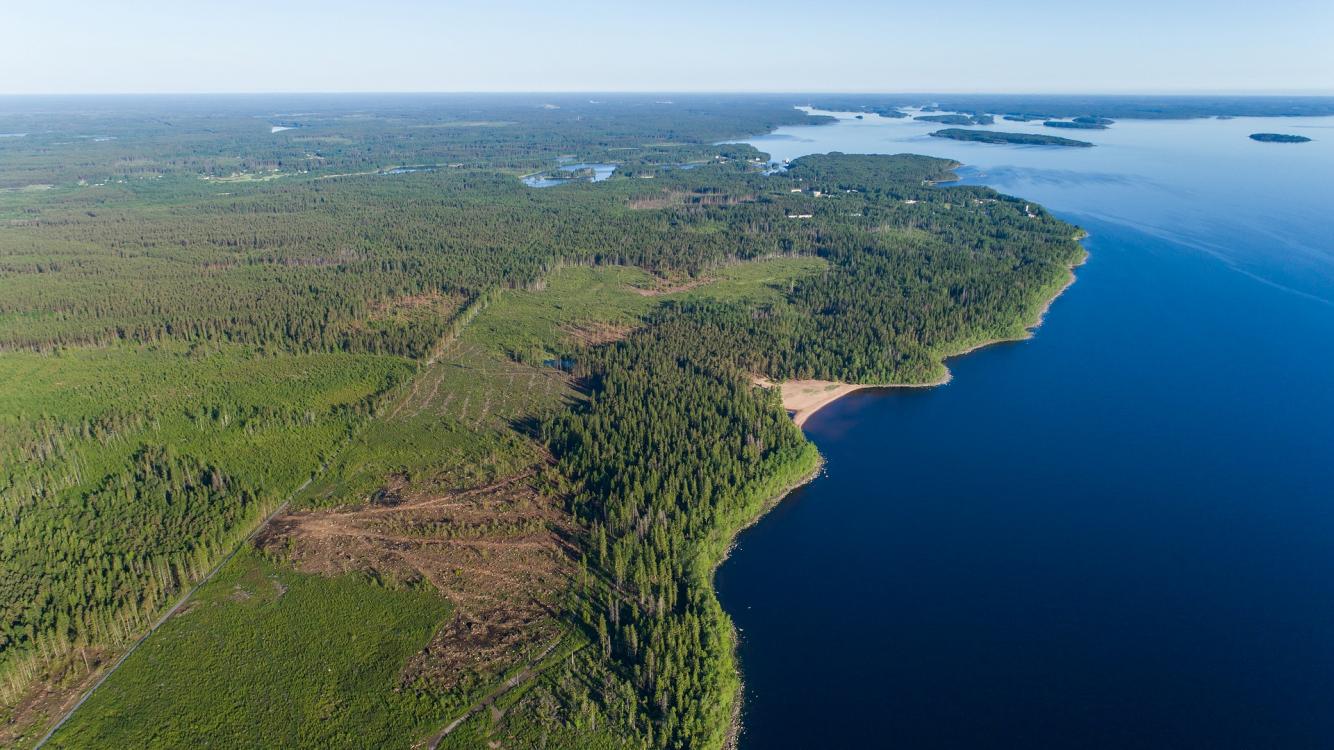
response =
{"points": [[805, 397]]}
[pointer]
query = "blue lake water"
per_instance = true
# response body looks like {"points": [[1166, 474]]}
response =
{"points": [[600, 172], [1118, 534]]}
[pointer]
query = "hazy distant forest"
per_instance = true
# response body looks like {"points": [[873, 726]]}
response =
{"points": [[503, 433]]}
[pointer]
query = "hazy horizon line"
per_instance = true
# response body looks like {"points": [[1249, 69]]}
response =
{"points": [[1321, 93]]}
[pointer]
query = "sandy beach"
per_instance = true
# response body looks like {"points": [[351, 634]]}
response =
{"points": [[805, 397], [802, 398]]}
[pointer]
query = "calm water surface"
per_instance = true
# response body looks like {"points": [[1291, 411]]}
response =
{"points": [[600, 173], [1118, 534]]}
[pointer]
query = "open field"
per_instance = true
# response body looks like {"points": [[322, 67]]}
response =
{"points": [[307, 660], [581, 305], [452, 426]]}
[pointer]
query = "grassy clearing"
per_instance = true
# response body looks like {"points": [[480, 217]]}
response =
{"points": [[759, 282], [454, 426], [267, 657], [532, 326], [106, 458], [585, 304], [267, 420], [539, 711], [460, 422]]}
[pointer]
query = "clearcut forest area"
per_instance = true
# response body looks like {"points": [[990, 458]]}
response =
{"points": [[504, 433]]}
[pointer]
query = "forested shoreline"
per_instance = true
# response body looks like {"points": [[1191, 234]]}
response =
{"points": [[197, 319]]}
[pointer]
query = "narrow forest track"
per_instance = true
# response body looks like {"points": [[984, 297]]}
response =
{"points": [[527, 673]]}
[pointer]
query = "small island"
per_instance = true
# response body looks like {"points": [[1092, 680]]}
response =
{"points": [[1023, 139], [946, 119], [1076, 124], [1279, 138], [892, 112]]}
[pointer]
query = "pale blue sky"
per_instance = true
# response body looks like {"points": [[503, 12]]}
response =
{"points": [[107, 46]]}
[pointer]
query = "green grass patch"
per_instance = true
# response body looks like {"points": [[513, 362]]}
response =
{"points": [[758, 282], [267, 657], [454, 426], [541, 324], [532, 325], [126, 471], [268, 420]]}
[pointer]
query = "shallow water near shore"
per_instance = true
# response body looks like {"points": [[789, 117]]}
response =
{"points": [[1117, 534]]}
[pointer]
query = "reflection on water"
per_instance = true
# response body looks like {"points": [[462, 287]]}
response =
{"points": [[590, 172]]}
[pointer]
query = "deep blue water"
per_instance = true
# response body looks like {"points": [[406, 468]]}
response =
{"points": [[1117, 534]]}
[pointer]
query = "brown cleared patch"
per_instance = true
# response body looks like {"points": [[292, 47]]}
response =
{"points": [[594, 333], [501, 553], [435, 303], [62, 681], [664, 287]]}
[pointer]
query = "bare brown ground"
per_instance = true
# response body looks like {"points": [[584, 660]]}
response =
{"points": [[54, 693], [434, 303], [667, 288], [500, 553], [594, 333]]}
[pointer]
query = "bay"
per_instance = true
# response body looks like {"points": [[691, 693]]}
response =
{"points": [[1119, 533]]}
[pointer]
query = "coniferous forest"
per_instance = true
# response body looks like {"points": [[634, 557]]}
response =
{"points": [[433, 439]]}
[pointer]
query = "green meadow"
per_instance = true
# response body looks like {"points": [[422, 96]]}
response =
{"points": [[266, 657]]}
